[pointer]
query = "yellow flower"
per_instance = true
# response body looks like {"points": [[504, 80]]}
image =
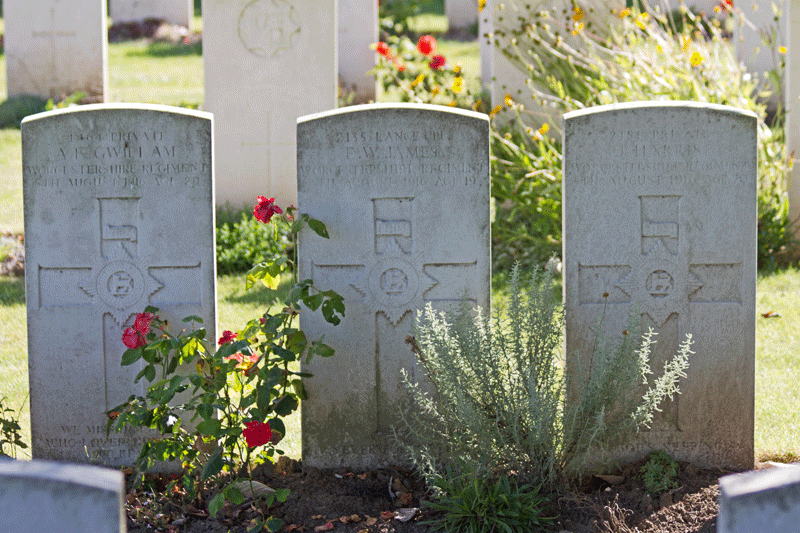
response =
{"points": [[659, 49], [639, 21], [624, 13], [452, 104], [458, 85], [481, 5], [781, 49], [495, 111], [717, 9], [577, 30], [544, 129], [457, 68], [696, 59], [508, 100], [477, 104], [685, 42], [577, 14], [419, 79], [435, 89]]}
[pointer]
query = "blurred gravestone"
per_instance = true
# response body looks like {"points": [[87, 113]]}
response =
{"points": [[267, 62], [358, 30], [461, 14], [180, 12], [43, 496], [118, 215], [755, 502], [55, 48], [404, 192], [659, 209]]}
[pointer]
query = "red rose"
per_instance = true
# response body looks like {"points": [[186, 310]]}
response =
{"points": [[265, 208], [426, 44], [383, 49], [256, 433], [132, 338], [142, 323], [227, 336], [437, 62]]}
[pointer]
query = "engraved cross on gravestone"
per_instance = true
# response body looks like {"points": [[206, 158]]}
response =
{"points": [[660, 216], [404, 192], [53, 34], [118, 215]]}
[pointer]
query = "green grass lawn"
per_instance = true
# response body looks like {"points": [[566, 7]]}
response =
{"points": [[173, 75]]}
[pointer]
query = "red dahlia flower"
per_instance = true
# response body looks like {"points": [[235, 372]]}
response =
{"points": [[383, 49], [227, 336], [426, 45], [132, 338]]}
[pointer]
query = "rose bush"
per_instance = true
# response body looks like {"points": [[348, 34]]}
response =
{"points": [[214, 404]]}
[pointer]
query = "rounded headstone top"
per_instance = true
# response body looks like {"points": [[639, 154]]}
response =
{"points": [[366, 108], [658, 104], [119, 107]]}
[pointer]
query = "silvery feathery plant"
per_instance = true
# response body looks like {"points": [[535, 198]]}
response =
{"points": [[496, 391]]}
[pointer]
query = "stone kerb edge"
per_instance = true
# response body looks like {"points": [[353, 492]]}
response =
{"points": [[100, 478]]}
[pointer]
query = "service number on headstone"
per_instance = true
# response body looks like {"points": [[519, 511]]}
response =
{"points": [[404, 192], [659, 210], [118, 216]]}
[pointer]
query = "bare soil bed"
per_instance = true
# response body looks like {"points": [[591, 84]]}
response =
{"points": [[360, 502]]}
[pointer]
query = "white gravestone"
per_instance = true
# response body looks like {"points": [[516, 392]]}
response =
{"points": [[55, 48], [180, 12], [118, 216], [659, 211], [267, 62], [43, 496], [761, 501], [792, 101], [358, 30], [404, 192], [461, 13]]}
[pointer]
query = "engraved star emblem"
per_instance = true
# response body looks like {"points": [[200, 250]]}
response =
{"points": [[119, 285], [660, 283], [395, 282], [266, 27]]}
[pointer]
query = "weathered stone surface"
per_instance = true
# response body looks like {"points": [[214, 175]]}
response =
{"points": [[755, 502], [118, 215], [660, 216], [38, 496], [267, 62], [59, 51], [461, 13], [179, 12], [404, 192]]}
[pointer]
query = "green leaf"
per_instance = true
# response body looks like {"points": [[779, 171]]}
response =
{"points": [[213, 466], [192, 318], [209, 427], [318, 227], [149, 373], [276, 424], [314, 301], [286, 405], [299, 389], [234, 495], [282, 494], [255, 526], [323, 349], [216, 504], [274, 524], [131, 356]]}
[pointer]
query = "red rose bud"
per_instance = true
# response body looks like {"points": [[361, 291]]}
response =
{"points": [[132, 338], [265, 208], [256, 433], [426, 45], [227, 336], [437, 62]]}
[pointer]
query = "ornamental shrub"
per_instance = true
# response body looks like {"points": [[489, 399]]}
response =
{"points": [[497, 395], [644, 56], [660, 473]]}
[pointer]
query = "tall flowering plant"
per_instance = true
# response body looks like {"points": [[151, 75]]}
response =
{"points": [[237, 388], [418, 73]]}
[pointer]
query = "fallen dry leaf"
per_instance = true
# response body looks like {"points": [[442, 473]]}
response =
{"points": [[771, 314], [324, 527], [405, 514], [387, 515], [370, 521]]}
